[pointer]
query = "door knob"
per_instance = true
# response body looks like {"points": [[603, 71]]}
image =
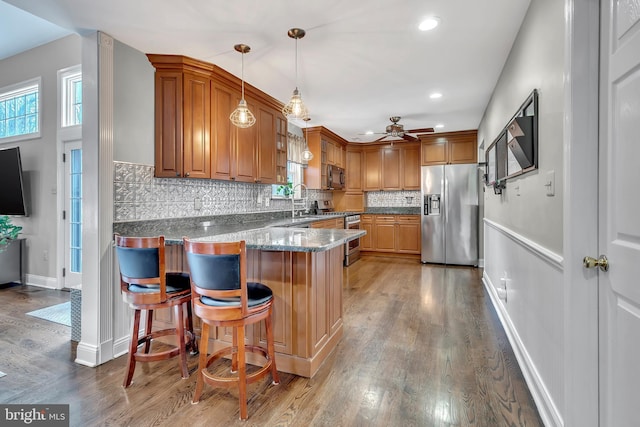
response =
{"points": [[602, 262]]}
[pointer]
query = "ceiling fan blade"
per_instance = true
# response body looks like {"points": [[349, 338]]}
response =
{"points": [[408, 137], [421, 130], [381, 138]]}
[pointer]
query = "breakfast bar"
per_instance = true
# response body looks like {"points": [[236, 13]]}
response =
{"points": [[303, 268]]}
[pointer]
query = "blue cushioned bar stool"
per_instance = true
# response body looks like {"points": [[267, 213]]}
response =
{"points": [[146, 286], [221, 297]]}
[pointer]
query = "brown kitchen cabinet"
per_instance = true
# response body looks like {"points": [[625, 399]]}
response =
{"points": [[329, 223], [182, 126], [266, 145], [401, 167], [385, 234], [327, 148], [372, 164], [410, 161], [449, 148], [408, 234], [366, 241], [390, 171], [193, 134], [354, 170], [391, 233]]}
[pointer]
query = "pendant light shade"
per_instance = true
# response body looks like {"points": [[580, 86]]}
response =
{"points": [[242, 117], [307, 155], [296, 109]]}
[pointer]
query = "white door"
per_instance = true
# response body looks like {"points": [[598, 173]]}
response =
{"points": [[619, 214], [72, 216]]}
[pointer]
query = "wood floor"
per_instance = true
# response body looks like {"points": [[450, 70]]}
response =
{"points": [[422, 347]]}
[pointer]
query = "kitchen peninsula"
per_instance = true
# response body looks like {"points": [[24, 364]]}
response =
{"points": [[302, 266]]}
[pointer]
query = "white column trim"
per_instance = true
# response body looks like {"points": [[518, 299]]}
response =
{"points": [[96, 345]]}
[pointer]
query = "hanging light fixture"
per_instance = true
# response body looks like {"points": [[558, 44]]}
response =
{"points": [[306, 153], [296, 109], [242, 117]]}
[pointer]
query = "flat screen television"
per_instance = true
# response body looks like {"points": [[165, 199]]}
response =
{"points": [[12, 189]]}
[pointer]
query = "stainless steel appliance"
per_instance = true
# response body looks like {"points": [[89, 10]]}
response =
{"points": [[351, 222], [335, 178], [449, 217], [352, 248]]}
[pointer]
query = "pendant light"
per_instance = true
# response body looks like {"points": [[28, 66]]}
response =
{"points": [[307, 155], [296, 109], [242, 117]]}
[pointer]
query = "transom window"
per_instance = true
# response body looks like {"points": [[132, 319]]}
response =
{"points": [[20, 111], [71, 97]]}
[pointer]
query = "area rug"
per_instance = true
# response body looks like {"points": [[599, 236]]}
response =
{"points": [[59, 313]]}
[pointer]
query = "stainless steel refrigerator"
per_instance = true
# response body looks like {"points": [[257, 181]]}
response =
{"points": [[449, 217]]}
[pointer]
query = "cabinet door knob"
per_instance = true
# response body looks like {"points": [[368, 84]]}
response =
{"points": [[186, 174]]}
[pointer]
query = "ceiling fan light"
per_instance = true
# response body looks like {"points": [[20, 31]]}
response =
{"points": [[242, 117]]}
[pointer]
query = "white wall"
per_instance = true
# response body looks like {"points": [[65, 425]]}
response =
{"points": [[133, 115], [39, 158], [524, 233], [536, 61]]}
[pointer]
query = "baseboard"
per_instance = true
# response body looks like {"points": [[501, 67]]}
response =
{"points": [[41, 281]]}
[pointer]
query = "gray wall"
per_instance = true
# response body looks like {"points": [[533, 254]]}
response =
{"points": [[536, 61], [39, 158], [133, 115]]}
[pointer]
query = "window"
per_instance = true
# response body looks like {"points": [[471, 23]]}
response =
{"points": [[20, 111], [71, 97], [295, 175]]}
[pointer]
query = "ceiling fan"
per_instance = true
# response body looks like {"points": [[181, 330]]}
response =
{"points": [[397, 130]]}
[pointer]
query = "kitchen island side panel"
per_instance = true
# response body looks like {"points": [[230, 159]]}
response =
{"points": [[308, 310]]}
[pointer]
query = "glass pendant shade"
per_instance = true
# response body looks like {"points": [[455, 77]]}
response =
{"points": [[307, 155], [296, 109], [242, 117]]}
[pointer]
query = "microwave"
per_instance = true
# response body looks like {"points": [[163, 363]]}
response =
{"points": [[335, 178]]}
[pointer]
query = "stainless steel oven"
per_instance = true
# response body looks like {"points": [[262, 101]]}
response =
{"points": [[352, 248]]}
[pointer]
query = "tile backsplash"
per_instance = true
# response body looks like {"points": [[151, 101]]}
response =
{"points": [[138, 195], [392, 199]]}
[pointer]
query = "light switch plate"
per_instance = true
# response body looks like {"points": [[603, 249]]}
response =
{"points": [[550, 183]]}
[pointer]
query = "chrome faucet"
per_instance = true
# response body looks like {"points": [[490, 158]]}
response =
{"points": [[293, 200]]}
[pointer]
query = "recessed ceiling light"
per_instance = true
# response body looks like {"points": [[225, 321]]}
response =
{"points": [[429, 23], [369, 132], [439, 126], [435, 95]]}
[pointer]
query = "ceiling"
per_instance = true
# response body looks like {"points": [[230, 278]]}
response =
{"points": [[359, 63]]}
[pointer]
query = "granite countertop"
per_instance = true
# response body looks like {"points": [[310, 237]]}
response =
{"points": [[393, 210], [260, 231], [289, 239]]}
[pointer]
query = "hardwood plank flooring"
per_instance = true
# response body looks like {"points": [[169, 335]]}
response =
{"points": [[422, 346]]}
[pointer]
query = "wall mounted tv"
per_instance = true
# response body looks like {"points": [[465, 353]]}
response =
{"points": [[12, 193]]}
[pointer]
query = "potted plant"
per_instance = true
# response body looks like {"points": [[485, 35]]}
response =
{"points": [[8, 232], [286, 190]]}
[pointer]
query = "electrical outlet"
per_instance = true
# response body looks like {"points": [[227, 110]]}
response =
{"points": [[197, 204], [259, 199], [266, 202], [45, 255]]}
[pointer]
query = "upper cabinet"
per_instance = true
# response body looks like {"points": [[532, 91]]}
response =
{"points": [[391, 166], [328, 149], [354, 169], [449, 148], [194, 136], [182, 126]]}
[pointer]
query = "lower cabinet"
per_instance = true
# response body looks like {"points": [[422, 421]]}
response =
{"points": [[391, 233], [329, 223]]}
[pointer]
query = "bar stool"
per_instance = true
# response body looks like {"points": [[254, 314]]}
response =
{"points": [[221, 297], [146, 286]]}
